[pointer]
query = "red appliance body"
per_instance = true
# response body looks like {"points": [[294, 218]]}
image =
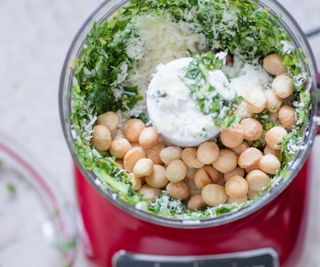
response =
{"points": [[279, 225]]}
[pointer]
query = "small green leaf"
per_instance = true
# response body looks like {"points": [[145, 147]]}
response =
{"points": [[11, 188], [67, 245]]}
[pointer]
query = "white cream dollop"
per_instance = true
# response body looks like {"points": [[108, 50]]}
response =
{"points": [[245, 77], [173, 111], [250, 77], [221, 83]]}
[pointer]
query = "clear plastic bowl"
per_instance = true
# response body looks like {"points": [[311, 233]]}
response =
{"points": [[36, 224]]}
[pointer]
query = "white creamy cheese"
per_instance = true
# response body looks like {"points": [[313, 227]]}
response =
{"points": [[221, 83], [250, 77], [243, 111], [245, 77], [173, 111]]}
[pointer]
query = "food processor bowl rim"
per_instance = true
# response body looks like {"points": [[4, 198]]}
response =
{"points": [[104, 11]]}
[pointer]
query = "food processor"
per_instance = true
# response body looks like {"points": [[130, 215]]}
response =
{"points": [[268, 232]]}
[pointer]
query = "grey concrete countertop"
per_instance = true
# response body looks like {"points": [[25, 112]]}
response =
{"points": [[34, 38]]}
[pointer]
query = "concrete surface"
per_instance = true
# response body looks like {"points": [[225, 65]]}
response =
{"points": [[34, 38]]}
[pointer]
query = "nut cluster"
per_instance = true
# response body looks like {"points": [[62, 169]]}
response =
{"points": [[207, 175]]}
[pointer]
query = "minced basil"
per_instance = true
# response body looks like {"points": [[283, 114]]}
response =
{"points": [[222, 111]]}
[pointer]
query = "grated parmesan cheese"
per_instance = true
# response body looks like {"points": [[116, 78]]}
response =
{"points": [[245, 76], [160, 40], [287, 47]]}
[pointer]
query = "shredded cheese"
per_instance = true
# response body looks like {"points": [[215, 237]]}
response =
{"points": [[159, 40]]}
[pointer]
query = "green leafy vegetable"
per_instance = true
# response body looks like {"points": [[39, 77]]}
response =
{"points": [[223, 210], [11, 188], [210, 102], [103, 63], [67, 245], [267, 119]]}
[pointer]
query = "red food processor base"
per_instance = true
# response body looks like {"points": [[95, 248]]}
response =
{"points": [[278, 227]]}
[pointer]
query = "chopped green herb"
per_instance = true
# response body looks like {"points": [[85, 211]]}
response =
{"points": [[68, 263], [67, 245], [223, 210], [11, 188], [260, 144], [142, 116], [266, 118], [210, 102]]}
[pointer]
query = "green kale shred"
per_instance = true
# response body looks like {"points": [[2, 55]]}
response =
{"points": [[210, 102], [267, 120], [223, 210], [100, 63]]}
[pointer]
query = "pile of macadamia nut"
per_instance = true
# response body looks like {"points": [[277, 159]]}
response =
{"points": [[207, 175]]}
